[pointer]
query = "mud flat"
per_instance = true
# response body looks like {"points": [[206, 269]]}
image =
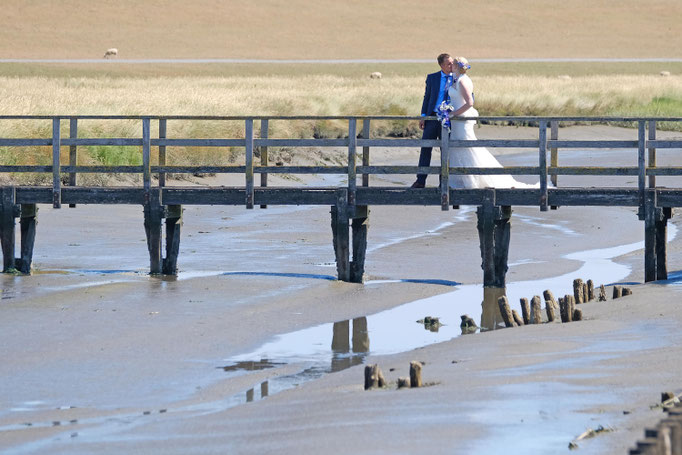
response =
{"points": [[98, 357]]}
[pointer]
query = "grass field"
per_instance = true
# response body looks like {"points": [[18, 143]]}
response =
{"points": [[297, 29]]}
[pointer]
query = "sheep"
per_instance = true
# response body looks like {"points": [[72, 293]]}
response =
{"points": [[565, 77], [113, 52], [375, 75], [665, 73]]}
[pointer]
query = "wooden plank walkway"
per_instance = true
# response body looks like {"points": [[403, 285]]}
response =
{"points": [[349, 201]]}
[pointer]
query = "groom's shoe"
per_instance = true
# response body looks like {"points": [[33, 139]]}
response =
{"points": [[418, 185]]}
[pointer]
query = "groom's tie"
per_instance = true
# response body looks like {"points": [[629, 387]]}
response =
{"points": [[448, 83]]}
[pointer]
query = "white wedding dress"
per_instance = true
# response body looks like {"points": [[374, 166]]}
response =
{"points": [[473, 156]]}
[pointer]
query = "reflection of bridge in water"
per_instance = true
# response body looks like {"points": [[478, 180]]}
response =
{"points": [[349, 201]]}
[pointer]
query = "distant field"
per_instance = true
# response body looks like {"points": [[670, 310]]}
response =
{"points": [[324, 29]]}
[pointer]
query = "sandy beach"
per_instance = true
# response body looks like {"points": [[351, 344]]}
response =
{"points": [[256, 348]]}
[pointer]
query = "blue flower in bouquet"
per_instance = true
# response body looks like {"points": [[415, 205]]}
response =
{"points": [[443, 113]]}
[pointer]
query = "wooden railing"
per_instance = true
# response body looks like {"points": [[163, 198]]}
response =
{"points": [[646, 162]]}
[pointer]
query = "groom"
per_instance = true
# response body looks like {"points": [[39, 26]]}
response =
{"points": [[437, 85]]}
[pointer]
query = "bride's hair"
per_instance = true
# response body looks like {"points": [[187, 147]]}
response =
{"points": [[462, 64]]}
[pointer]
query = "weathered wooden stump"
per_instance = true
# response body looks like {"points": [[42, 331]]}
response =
{"points": [[602, 293], [517, 319], [535, 310], [551, 306], [578, 290], [506, 311], [468, 325], [627, 291], [617, 291], [590, 290], [374, 377], [525, 310], [586, 297], [415, 374], [577, 314], [403, 382], [567, 307]]}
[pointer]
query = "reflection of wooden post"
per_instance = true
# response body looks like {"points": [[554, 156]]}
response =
{"points": [[340, 338], [249, 395], [360, 335], [415, 374], [264, 389], [491, 316]]}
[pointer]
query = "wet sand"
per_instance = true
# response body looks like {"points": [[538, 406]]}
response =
{"points": [[99, 357]]}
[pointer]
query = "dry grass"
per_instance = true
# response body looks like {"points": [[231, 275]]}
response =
{"points": [[625, 95]]}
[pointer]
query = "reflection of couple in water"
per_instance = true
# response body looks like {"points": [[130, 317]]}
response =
{"points": [[449, 95]]}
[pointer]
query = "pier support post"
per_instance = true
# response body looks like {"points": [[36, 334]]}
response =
{"points": [[655, 238], [494, 230], [343, 223], [341, 238], [153, 214], [173, 224], [28, 223], [8, 211]]}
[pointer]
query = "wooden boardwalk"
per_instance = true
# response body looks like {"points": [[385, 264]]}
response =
{"points": [[350, 202]]}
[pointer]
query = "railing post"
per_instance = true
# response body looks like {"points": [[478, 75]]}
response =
{"points": [[248, 138], [543, 165], [264, 133], [162, 151], [444, 169], [365, 151], [56, 151], [652, 153], [553, 151], [146, 160], [641, 164], [73, 153], [352, 175]]}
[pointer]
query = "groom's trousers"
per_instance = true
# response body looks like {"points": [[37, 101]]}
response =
{"points": [[432, 129]]}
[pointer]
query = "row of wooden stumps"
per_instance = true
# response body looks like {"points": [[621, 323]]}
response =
{"points": [[666, 437], [564, 309], [374, 377], [346, 220], [27, 214]]}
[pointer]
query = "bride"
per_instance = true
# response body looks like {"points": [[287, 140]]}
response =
{"points": [[462, 99]]}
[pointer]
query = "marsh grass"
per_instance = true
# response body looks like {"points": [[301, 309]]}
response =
{"points": [[315, 95]]}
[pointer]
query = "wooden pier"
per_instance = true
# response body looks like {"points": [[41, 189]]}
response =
{"points": [[350, 202]]}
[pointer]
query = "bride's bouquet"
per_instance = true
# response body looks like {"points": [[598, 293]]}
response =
{"points": [[443, 114]]}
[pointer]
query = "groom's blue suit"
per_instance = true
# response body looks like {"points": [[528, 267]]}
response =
{"points": [[432, 128]]}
